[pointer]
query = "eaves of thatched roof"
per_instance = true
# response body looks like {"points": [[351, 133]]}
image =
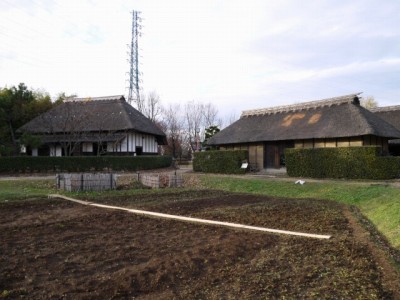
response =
{"points": [[329, 118], [100, 114], [84, 137]]}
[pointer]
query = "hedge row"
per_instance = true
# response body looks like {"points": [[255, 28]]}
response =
{"points": [[227, 162], [26, 164], [346, 162]]}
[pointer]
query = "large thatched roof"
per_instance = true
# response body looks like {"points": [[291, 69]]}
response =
{"points": [[329, 118], [390, 114], [101, 114]]}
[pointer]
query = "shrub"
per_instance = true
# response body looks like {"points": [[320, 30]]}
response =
{"points": [[82, 163], [227, 162], [345, 162]]}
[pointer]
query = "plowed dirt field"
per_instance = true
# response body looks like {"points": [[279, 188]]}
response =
{"points": [[55, 249]]}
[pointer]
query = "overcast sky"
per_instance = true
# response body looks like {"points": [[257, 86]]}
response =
{"points": [[236, 54]]}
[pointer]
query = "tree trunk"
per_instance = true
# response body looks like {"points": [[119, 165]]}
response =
{"points": [[13, 140]]}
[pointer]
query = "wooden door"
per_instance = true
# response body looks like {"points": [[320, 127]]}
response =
{"points": [[274, 153], [271, 155]]}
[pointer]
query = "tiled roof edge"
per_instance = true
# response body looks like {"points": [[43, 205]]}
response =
{"points": [[301, 106]]}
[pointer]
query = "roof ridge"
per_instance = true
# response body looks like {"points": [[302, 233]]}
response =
{"points": [[304, 105], [385, 108], [102, 98]]}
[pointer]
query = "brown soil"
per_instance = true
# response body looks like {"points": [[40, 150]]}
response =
{"points": [[52, 249]]}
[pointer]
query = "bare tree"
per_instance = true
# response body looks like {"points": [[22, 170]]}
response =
{"points": [[210, 113], [173, 126], [71, 124], [101, 132], [66, 126], [228, 120], [369, 102], [194, 116], [152, 107], [140, 103], [192, 122]]}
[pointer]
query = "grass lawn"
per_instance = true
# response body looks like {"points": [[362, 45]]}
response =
{"points": [[12, 190], [17, 190]]}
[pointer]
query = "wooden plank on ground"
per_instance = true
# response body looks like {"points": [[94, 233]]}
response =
{"points": [[193, 220]]}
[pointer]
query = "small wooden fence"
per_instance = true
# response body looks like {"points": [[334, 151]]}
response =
{"points": [[74, 182]]}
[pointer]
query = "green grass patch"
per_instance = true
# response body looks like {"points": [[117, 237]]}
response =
{"points": [[13, 190], [16, 190], [379, 203]]}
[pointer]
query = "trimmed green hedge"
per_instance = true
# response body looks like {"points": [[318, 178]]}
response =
{"points": [[227, 162], [345, 162], [27, 164]]}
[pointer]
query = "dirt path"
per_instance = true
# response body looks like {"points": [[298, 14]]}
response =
{"points": [[389, 271]]}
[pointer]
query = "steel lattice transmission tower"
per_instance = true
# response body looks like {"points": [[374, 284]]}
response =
{"points": [[134, 80]]}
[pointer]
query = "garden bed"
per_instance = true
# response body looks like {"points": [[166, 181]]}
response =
{"points": [[54, 248]]}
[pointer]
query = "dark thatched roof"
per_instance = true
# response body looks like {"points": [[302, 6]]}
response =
{"points": [[390, 114], [102, 114], [329, 118]]}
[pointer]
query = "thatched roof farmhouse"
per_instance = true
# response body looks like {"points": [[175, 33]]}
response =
{"points": [[89, 126], [390, 114], [334, 122]]}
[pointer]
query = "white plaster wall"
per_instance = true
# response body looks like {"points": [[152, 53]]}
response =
{"points": [[133, 140], [35, 152], [58, 150], [87, 147], [110, 147], [55, 150]]}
